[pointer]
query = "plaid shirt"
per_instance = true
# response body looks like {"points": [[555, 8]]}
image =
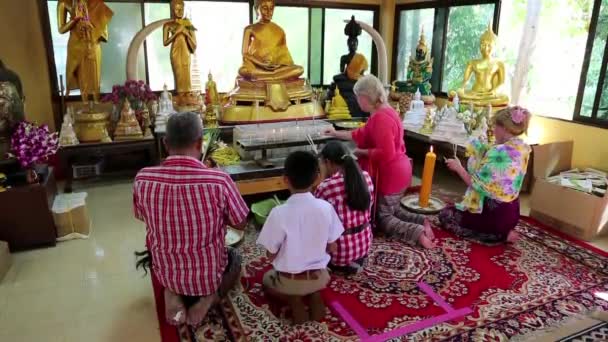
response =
{"points": [[186, 207], [350, 246]]}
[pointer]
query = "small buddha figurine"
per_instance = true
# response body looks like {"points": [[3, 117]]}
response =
{"points": [[165, 108], [212, 103], [265, 53], [489, 76], [88, 27], [352, 66], [128, 127], [180, 34], [428, 126], [67, 135], [338, 109], [419, 72]]}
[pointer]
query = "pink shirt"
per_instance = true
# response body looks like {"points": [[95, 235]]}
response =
{"points": [[383, 137]]}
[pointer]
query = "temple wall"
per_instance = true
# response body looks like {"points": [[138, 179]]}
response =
{"points": [[22, 49]]}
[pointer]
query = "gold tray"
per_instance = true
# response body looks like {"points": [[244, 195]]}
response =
{"points": [[410, 202], [349, 124], [234, 236]]}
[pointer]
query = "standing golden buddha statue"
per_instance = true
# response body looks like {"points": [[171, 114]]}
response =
{"points": [[489, 76], [269, 87], [179, 33], [88, 26], [212, 102]]}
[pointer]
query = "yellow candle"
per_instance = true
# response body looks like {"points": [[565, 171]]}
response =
{"points": [[427, 178]]}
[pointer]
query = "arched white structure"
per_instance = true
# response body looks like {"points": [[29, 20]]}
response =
{"points": [[135, 46], [380, 49]]}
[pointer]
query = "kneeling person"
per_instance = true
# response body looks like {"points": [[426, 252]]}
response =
{"points": [[297, 236], [186, 207]]}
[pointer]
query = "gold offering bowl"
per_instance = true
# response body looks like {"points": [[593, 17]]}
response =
{"points": [[91, 127]]}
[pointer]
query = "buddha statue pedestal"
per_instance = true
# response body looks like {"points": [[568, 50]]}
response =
{"points": [[271, 101], [187, 102], [92, 126]]}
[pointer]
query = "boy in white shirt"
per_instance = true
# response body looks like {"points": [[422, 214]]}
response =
{"points": [[297, 236]]}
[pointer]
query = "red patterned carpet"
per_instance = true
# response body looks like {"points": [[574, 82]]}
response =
{"points": [[513, 290]]}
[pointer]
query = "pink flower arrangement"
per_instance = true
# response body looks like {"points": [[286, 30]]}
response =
{"points": [[519, 114], [31, 144], [137, 92]]}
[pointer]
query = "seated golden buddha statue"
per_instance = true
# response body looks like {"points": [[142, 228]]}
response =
{"points": [[338, 108], [127, 127], [489, 76], [352, 66], [419, 72], [269, 87]]}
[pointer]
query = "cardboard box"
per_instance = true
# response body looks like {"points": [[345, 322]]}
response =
{"points": [[6, 260], [71, 216], [582, 215]]}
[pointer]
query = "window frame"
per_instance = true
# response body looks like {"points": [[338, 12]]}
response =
{"points": [[310, 4], [440, 27], [577, 117]]}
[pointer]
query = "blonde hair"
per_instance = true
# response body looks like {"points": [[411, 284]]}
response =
{"points": [[513, 119], [371, 87]]}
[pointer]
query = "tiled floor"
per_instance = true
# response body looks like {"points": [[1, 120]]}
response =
{"points": [[88, 290]]}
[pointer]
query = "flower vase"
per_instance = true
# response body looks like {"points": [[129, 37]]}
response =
{"points": [[31, 176]]}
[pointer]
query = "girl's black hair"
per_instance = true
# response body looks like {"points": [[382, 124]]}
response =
{"points": [[144, 261], [357, 191]]}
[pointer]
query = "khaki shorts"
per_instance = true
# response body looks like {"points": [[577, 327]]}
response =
{"points": [[296, 287]]}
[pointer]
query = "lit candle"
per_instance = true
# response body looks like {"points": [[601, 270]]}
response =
{"points": [[427, 178]]}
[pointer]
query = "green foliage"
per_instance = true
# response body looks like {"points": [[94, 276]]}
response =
{"points": [[466, 24]]}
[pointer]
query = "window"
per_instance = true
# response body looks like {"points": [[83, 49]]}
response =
{"points": [[465, 25], [335, 41], [551, 60], [220, 39], [159, 63], [595, 91], [411, 23]]}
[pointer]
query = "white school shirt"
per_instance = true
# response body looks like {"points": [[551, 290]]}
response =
{"points": [[299, 231]]}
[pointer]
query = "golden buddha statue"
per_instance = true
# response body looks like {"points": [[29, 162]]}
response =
{"points": [[338, 109], [269, 86], [265, 53], [212, 102], [489, 76], [428, 126], [179, 33], [88, 26], [128, 127]]}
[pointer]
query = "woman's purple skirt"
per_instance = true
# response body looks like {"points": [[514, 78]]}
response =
{"points": [[492, 225]]}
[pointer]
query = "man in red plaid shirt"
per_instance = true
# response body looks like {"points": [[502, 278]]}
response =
{"points": [[186, 207]]}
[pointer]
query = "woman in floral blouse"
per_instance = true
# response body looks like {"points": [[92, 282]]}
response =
{"points": [[494, 176]]}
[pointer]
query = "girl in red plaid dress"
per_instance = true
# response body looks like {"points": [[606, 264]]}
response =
{"points": [[349, 190]]}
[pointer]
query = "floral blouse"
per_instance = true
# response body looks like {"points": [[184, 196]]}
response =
{"points": [[497, 172]]}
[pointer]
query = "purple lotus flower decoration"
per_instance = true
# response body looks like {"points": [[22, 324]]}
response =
{"points": [[519, 114], [137, 92], [31, 144]]}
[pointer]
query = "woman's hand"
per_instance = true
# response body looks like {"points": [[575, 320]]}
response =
{"points": [[360, 152], [454, 165]]}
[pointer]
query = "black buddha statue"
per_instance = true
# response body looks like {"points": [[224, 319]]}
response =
{"points": [[11, 106], [352, 66]]}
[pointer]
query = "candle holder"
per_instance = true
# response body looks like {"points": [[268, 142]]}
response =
{"points": [[412, 203]]}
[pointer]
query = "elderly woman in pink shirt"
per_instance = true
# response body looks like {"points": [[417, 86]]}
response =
{"points": [[381, 152]]}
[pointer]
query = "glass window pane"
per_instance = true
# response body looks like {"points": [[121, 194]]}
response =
{"points": [[410, 25], [219, 37], [602, 112], [294, 21], [550, 86], [159, 63], [316, 45], [595, 63], [465, 25], [336, 42], [124, 25]]}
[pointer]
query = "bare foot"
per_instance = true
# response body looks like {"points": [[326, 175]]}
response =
{"points": [[428, 231], [198, 311], [175, 311], [513, 237], [426, 242]]}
